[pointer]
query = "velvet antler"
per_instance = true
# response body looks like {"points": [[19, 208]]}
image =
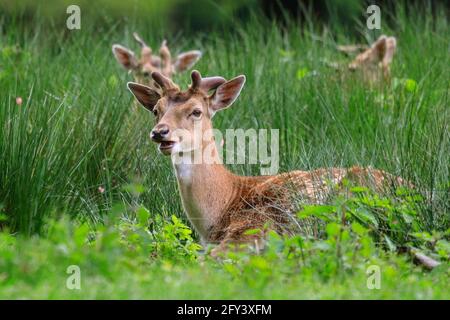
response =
{"points": [[205, 84]]}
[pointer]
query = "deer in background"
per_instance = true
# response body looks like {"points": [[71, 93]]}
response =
{"points": [[378, 57], [150, 62], [220, 205], [374, 62]]}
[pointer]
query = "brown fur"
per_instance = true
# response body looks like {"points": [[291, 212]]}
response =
{"points": [[255, 202], [375, 62]]}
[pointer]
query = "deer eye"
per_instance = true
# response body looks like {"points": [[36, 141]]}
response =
{"points": [[196, 113], [155, 112]]}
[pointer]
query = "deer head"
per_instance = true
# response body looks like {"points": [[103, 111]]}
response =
{"points": [[378, 56], [183, 117], [149, 62]]}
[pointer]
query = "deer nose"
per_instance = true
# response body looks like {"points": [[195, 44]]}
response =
{"points": [[159, 132]]}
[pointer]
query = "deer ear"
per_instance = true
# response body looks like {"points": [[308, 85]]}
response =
{"points": [[379, 47], [391, 46], [186, 60], [125, 57], [226, 93], [145, 95]]}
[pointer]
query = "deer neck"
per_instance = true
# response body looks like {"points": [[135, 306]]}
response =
{"points": [[206, 188]]}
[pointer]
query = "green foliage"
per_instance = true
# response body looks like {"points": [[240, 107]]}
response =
{"points": [[301, 73], [120, 244], [137, 254], [393, 222], [162, 239]]}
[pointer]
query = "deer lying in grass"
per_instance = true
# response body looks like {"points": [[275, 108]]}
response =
{"points": [[374, 62], [222, 206], [378, 57], [149, 62]]}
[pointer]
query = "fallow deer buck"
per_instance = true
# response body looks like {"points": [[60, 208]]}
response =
{"points": [[374, 62], [222, 206], [150, 62]]}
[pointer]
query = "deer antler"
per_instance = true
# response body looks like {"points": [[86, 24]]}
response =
{"points": [[391, 45], [146, 51], [205, 84], [164, 82], [139, 40], [166, 59]]}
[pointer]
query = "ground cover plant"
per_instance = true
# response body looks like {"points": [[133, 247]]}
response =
{"points": [[82, 185]]}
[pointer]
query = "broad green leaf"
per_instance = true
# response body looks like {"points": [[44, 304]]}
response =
{"points": [[333, 229], [143, 215], [390, 243], [411, 85], [301, 73], [316, 210], [359, 189], [358, 229], [365, 216], [252, 232]]}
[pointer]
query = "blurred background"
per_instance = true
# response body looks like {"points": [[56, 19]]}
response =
{"points": [[199, 15]]}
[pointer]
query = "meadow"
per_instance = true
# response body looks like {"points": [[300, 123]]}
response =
{"points": [[82, 184]]}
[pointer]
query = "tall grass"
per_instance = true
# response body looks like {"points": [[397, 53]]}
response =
{"points": [[77, 132]]}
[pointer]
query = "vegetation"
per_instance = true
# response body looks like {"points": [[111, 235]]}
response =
{"points": [[138, 256], [81, 183]]}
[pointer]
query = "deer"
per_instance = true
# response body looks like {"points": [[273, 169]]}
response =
{"points": [[220, 205], [378, 57], [372, 63], [149, 62]]}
